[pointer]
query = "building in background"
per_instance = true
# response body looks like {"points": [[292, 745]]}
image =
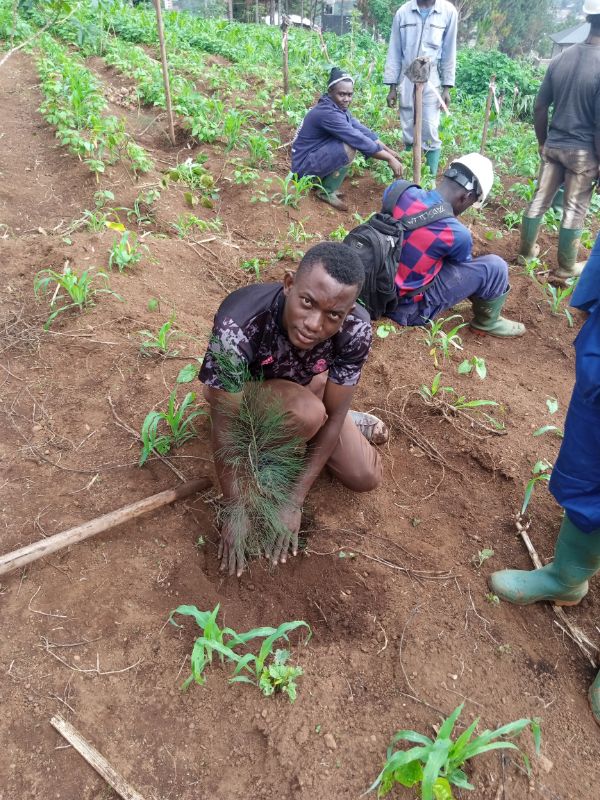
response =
{"points": [[563, 39]]}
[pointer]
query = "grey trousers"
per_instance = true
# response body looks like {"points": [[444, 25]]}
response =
{"points": [[431, 117], [578, 170]]}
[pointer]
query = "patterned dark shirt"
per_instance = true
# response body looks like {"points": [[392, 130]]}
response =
{"points": [[425, 250], [248, 330]]}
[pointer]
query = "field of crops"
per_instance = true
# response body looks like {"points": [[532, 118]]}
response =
{"points": [[116, 249]]}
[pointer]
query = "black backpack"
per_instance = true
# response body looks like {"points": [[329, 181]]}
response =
{"points": [[379, 243]]}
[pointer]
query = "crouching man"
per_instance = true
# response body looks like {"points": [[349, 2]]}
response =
{"points": [[305, 340]]}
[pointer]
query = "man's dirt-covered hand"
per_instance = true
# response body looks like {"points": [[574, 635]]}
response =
{"points": [[392, 97], [290, 518], [446, 96], [231, 547]]}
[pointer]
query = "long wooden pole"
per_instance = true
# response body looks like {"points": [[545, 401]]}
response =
{"points": [[488, 110], [165, 69], [418, 132], [285, 48], [43, 547], [95, 759]]}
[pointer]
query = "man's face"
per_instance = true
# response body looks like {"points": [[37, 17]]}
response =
{"points": [[316, 306], [341, 94]]}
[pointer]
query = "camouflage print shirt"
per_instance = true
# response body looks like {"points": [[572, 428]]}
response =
{"points": [[248, 333]]}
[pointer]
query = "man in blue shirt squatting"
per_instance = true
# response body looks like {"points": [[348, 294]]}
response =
{"points": [[575, 480], [422, 28], [329, 136], [436, 269], [306, 341]]}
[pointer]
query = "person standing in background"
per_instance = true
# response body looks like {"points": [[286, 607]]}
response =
{"points": [[422, 28]]}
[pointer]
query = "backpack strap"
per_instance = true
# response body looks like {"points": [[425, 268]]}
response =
{"points": [[397, 189], [411, 222]]}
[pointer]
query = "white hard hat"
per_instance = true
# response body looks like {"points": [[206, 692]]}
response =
{"points": [[481, 168], [591, 7]]}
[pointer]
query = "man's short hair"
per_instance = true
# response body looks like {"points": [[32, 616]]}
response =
{"points": [[339, 261]]}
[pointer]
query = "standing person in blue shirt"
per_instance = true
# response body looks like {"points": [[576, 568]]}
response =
{"points": [[575, 480], [329, 136], [422, 28], [436, 268]]}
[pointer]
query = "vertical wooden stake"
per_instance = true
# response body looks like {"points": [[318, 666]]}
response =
{"points": [[165, 69], [284, 45], [230, 10], [488, 109], [418, 132]]}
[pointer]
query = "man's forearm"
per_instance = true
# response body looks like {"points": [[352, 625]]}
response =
{"points": [[540, 124]]}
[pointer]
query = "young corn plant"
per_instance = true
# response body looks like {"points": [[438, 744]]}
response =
{"points": [[254, 266], [268, 670], [440, 341], [69, 286], [160, 342], [179, 422], [555, 297], [126, 251], [436, 765], [293, 189]]}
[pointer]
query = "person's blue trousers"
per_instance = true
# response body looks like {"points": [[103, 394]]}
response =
{"points": [[485, 277]]}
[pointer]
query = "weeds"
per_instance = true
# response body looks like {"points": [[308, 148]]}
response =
{"points": [[268, 670], [479, 559], [297, 233], [436, 765], [178, 418], [254, 265], [187, 224], [194, 174], [385, 328], [339, 234], [79, 289]]}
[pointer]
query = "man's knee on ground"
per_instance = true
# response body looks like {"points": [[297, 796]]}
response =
{"points": [[365, 477], [305, 414]]}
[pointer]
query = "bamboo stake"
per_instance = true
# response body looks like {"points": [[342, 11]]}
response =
{"points": [[165, 69], [44, 547], [418, 132], [95, 759], [488, 110], [284, 46]]}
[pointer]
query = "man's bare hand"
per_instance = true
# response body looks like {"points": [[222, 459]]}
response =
{"points": [[231, 547], [396, 167], [392, 97], [446, 97], [290, 518]]}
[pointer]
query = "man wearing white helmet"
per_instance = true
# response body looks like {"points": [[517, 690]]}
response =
{"points": [[436, 269], [569, 144]]}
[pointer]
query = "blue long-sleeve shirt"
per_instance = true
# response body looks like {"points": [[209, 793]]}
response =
{"points": [[318, 147], [413, 36]]}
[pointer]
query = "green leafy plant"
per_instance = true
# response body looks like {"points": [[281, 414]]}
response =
{"points": [[540, 472], [293, 188], [160, 342], [492, 599], [339, 234], [79, 289], [475, 363], [187, 224], [440, 341], [436, 765], [254, 265], [142, 212], [555, 296], [242, 176], [385, 328], [179, 421], [481, 557], [297, 233], [126, 251], [267, 669], [552, 219], [190, 372], [512, 219], [196, 176]]}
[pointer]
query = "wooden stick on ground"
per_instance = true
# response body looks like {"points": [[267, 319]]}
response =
{"points": [[587, 647], [95, 759], [43, 547]]}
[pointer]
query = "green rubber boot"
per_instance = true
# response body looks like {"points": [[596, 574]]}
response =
{"points": [[568, 245], [529, 232], [330, 184], [559, 199], [432, 158], [594, 697], [564, 581], [487, 318]]}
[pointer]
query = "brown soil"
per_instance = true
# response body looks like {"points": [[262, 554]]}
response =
{"points": [[83, 631]]}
